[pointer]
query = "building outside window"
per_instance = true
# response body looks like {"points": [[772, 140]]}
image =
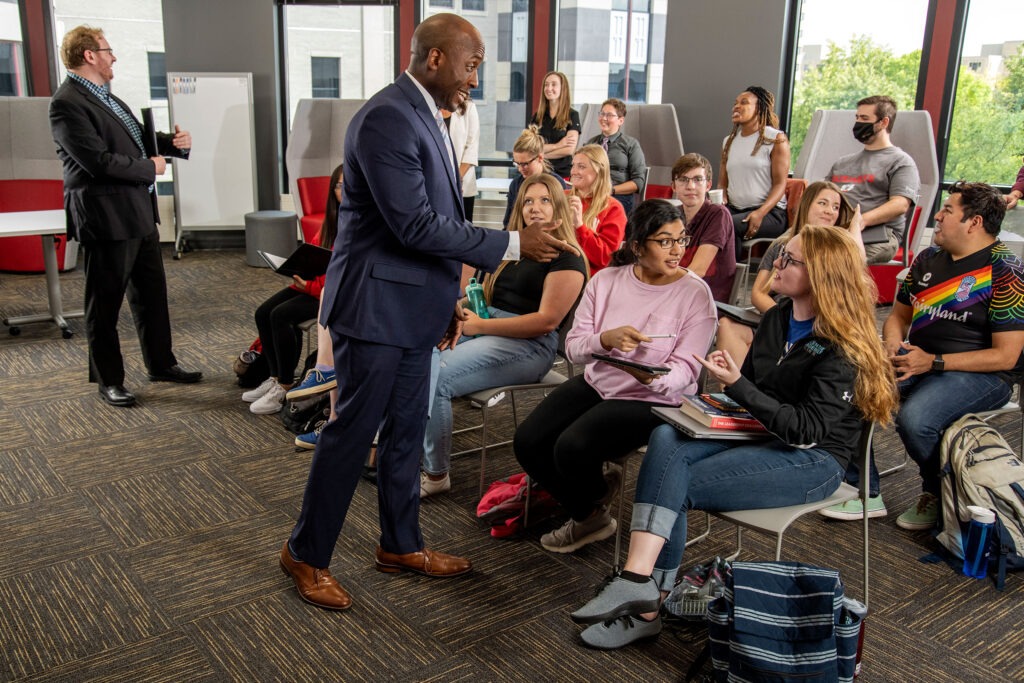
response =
{"points": [[326, 82], [614, 49], [359, 39], [157, 76], [986, 141]]}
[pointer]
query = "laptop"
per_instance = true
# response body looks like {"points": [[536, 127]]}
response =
{"points": [[695, 430]]}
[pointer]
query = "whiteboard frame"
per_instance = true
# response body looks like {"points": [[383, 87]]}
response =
{"points": [[180, 224]]}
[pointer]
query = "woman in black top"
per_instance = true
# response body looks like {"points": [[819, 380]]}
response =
{"points": [[559, 123]]}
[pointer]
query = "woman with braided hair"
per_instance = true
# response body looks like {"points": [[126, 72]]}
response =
{"points": [[755, 165]]}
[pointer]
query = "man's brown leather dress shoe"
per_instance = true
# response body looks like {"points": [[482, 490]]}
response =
{"points": [[315, 586], [426, 562]]}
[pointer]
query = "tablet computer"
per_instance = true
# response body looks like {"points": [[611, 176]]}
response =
{"points": [[625, 363]]}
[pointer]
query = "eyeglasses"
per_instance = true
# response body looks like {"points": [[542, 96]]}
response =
{"points": [[667, 242], [104, 49], [785, 259], [697, 180], [608, 115], [338, 185], [524, 164]]}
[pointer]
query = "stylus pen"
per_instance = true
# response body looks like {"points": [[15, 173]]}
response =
{"points": [[660, 336]]}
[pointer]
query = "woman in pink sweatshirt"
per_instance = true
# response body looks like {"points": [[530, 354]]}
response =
{"points": [[644, 308]]}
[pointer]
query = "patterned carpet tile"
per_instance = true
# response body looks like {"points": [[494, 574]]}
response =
{"points": [[46, 532], [32, 380], [230, 429], [218, 568], [115, 456], [69, 610], [171, 502], [26, 476], [14, 434], [280, 638], [75, 419], [170, 657]]}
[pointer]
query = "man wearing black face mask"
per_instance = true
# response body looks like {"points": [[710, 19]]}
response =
{"points": [[881, 178]]}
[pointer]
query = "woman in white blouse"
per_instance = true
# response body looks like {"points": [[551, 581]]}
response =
{"points": [[464, 129]]}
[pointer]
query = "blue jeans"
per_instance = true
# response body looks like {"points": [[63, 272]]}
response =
{"points": [[474, 364], [933, 401], [679, 474]]}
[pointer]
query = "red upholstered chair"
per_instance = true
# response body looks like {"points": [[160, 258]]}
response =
{"points": [[885, 274], [658, 192], [25, 254], [313, 202]]}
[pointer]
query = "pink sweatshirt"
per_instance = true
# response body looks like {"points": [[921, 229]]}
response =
{"points": [[615, 297]]}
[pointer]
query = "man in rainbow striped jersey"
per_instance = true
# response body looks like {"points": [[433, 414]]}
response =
{"points": [[955, 333]]}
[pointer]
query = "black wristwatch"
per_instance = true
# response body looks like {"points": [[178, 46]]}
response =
{"points": [[938, 365]]}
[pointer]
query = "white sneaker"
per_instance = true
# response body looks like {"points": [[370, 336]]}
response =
{"points": [[432, 487], [270, 402], [258, 392]]}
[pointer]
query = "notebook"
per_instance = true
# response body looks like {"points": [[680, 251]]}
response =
{"points": [[308, 261]]}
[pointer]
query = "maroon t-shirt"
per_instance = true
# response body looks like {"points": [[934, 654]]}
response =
{"points": [[713, 225]]}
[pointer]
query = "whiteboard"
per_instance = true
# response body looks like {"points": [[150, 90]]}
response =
{"points": [[216, 186]]}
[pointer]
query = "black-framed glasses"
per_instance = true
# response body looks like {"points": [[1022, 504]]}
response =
{"points": [[667, 242], [524, 164], [785, 259], [696, 180], [104, 49]]}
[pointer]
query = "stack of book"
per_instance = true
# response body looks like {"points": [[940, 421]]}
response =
{"points": [[718, 411]]}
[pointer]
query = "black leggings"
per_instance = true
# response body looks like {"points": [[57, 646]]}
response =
{"points": [[773, 225], [566, 439], [277, 319]]}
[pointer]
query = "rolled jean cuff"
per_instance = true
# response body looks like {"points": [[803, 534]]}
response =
{"points": [[653, 519], [665, 578]]}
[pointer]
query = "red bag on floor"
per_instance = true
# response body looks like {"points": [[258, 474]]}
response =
{"points": [[503, 506]]}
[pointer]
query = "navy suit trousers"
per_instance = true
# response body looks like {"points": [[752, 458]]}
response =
{"points": [[378, 386]]}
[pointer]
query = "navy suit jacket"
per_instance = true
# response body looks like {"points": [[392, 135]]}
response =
{"points": [[106, 176], [402, 234]]}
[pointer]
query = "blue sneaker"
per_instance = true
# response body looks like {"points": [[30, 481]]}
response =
{"points": [[315, 382], [308, 440]]}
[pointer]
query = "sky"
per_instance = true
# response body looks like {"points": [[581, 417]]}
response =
{"points": [[901, 24]]}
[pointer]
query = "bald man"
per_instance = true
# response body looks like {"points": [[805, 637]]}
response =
{"points": [[391, 288]]}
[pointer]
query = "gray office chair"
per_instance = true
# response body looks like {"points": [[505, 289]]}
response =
{"points": [[775, 521]]}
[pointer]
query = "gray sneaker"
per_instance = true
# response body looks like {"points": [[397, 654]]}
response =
{"points": [[619, 597], [573, 535], [611, 635]]}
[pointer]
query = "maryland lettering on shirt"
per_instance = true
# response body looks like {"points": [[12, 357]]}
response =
{"points": [[839, 179]]}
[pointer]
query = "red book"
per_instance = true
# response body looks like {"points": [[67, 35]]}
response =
{"points": [[711, 417]]}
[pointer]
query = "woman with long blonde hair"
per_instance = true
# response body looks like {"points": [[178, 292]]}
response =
{"points": [[599, 219], [815, 373], [516, 342], [558, 122]]}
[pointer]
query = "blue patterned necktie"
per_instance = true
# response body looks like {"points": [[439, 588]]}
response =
{"points": [[439, 120]]}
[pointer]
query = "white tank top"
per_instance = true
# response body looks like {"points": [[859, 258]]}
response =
{"points": [[750, 177]]}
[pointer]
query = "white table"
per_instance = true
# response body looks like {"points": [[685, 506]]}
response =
{"points": [[45, 224], [499, 185]]}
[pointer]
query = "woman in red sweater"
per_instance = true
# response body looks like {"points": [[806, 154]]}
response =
{"points": [[600, 219]]}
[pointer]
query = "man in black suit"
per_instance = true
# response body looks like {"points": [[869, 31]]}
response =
{"points": [[391, 286], [110, 200]]}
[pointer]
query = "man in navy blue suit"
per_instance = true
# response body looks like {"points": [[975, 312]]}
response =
{"points": [[391, 286]]}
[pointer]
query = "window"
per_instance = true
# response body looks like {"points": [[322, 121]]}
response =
{"points": [[12, 62], [474, 5], [157, 76], [360, 40], [12, 69], [881, 57], [987, 130], [477, 93], [612, 49], [442, 4], [326, 81]]}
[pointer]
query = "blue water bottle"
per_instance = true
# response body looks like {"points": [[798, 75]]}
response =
{"points": [[976, 542], [475, 294]]}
